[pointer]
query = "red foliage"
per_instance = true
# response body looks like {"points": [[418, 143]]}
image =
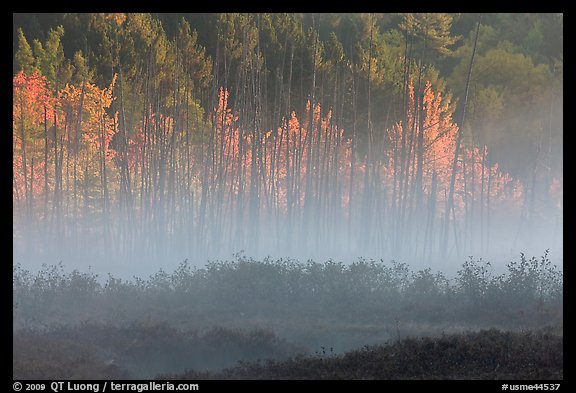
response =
{"points": [[34, 104], [31, 101]]}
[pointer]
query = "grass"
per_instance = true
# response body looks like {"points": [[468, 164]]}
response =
{"points": [[106, 352], [76, 325], [488, 354], [93, 351]]}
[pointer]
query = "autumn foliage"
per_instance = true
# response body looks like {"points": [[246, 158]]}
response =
{"points": [[229, 182]]}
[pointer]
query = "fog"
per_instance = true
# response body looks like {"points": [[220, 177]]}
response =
{"points": [[126, 250], [237, 261], [195, 190]]}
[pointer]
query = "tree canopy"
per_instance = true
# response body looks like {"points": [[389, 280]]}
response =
{"points": [[185, 122]]}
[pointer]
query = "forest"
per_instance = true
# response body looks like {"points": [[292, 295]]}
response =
{"points": [[151, 137], [145, 143]]}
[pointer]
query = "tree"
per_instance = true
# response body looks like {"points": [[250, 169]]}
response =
{"points": [[23, 56]]}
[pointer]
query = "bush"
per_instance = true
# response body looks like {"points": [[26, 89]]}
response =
{"points": [[243, 290]]}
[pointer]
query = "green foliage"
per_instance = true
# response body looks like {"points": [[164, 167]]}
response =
{"points": [[510, 96], [431, 29], [81, 72], [196, 64], [50, 56], [23, 56], [519, 63]]}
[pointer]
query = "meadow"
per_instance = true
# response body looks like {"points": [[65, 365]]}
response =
{"points": [[250, 319]]}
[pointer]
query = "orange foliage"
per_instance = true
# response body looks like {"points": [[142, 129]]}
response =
{"points": [[556, 193], [284, 167], [34, 104], [31, 100], [440, 135], [96, 125]]}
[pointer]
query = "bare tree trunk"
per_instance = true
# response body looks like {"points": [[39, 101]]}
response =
{"points": [[45, 166], [450, 199], [352, 161], [367, 200], [24, 163], [482, 188], [309, 160], [78, 132]]}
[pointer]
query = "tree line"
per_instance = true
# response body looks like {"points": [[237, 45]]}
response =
{"points": [[282, 132]]}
